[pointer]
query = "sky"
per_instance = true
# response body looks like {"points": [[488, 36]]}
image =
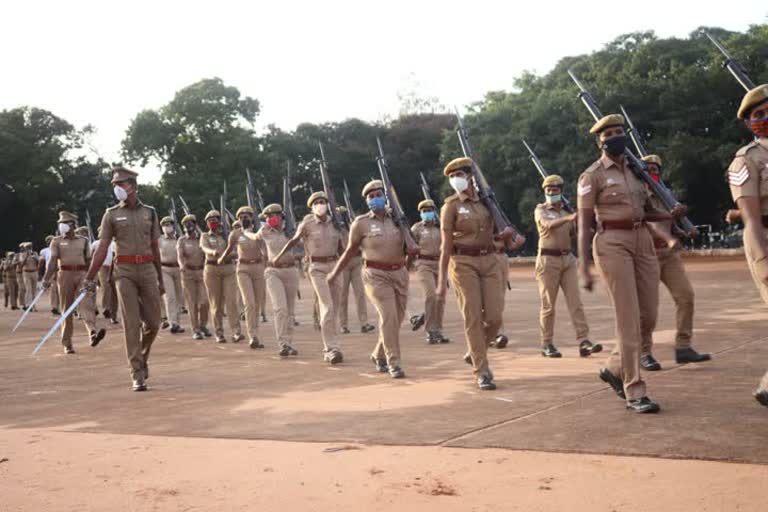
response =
{"points": [[102, 62]]}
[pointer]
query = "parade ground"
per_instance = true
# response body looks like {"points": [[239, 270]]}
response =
{"points": [[224, 427]]}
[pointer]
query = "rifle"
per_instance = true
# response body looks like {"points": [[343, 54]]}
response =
{"points": [[332, 211], [734, 66], [637, 166], [225, 226], [348, 202], [426, 191], [88, 225], [250, 191], [540, 167], [175, 219], [290, 215], [484, 190], [259, 200], [187, 211], [398, 215]]}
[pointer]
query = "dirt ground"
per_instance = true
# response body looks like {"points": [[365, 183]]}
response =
{"points": [[228, 427]]}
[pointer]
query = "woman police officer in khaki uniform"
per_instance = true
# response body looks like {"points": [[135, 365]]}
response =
{"points": [[384, 274], [467, 254]]}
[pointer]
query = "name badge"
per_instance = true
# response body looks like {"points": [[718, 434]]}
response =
{"points": [[464, 210], [213, 241], [121, 218], [242, 239]]}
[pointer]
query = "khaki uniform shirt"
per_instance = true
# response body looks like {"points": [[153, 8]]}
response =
{"points": [[167, 245], [428, 237], [467, 221], [614, 192], [71, 251], [748, 173], [188, 252], [29, 261], [214, 245], [249, 247], [133, 229], [274, 241], [380, 239], [558, 238], [321, 238]]}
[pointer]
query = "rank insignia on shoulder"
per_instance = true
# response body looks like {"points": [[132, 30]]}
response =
{"points": [[584, 189], [738, 178]]}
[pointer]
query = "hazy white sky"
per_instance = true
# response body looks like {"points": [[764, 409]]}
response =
{"points": [[101, 62]]}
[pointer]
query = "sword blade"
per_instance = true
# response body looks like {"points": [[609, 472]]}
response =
{"points": [[60, 321], [29, 308]]}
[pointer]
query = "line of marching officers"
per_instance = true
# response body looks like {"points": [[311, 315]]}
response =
{"points": [[628, 231]]}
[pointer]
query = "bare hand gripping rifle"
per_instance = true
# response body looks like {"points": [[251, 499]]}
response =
{"points": [[637, 166], [567, 206]]}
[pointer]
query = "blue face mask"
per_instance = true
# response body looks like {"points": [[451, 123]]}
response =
{"points": [[428, 216], [377, 203], [555, 198]]}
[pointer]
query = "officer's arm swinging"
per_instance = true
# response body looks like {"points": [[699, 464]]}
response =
{"points": [[352, 248], [158, 264], [288, 245], [586, 217], [753, 231], [98, 260], [446, 249], [231, 244]]}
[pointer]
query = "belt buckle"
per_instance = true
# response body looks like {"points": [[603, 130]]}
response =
{"points": [[484, 252], [637, 224]]}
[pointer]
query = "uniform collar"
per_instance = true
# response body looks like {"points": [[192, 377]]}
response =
{"points": [[124, 204], [328, 218], [551, 206], [762, 141], [608, 162], [463, 196]]}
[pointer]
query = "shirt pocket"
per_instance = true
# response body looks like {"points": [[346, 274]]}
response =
{"points": [[763, 179], [466, 225], [614, 193]]}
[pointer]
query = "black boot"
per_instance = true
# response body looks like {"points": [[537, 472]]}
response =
{"points": [[688, 355], [643, 406], [587, 348], [550, 350], [650, 363]]}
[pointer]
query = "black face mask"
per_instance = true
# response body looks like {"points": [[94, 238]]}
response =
{"points": [[615, 145], [246, 222], [190, 228]]}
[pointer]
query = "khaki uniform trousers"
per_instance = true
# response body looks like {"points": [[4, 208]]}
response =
{"points": [[553, 273], [630, 269], [6, 290], [672, 274], [352, 277], [426, 272], [388, 292], [762, 287], [140, 307], [196, 298], [327, 302], [222, 293], [54, 290], [250, 281], [478, 289], [22, 289], [30, 283], [107, 290], [172, 284], [69, 284], [13, 289], [282, 287]]}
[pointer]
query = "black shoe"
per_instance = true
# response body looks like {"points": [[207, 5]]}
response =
{"points": [[287, 350], [145, 369], [396, 372], [96, 337], [344, 330], [263, 319], [139, 385], [14, 308], [417, 321], [501, 341], [365, 328], [486, 383], [107, 314], [255, 343], [433, 338], [549, 350], [69, 350], [761, 395], [650, 363], [688, 355], [96, 312], [206, 332], [165, 324], [468, 358], [587, 348], [612, 380], [381, 365], [221, 339], [643, 406], [184, 311], [114, 321], [176, 329], [334, 356], [443, 339]]}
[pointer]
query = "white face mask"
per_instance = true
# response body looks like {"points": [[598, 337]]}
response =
{"points": [[319, 209], [63, 228], [120, 193], [459, 183], [168, 230]]}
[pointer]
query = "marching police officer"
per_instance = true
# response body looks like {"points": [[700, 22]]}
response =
{"points": [[426, 232], [556, 268], [352, 280], [192, 260], [135, 229], [748, 180], [171, 274]]}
